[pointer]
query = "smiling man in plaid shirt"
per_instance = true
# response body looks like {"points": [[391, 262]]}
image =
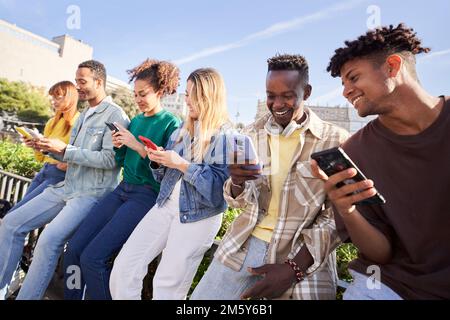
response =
{"points": [[282, 244]]}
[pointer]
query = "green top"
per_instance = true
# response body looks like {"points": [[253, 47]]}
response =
{"points": [[158, 128]]}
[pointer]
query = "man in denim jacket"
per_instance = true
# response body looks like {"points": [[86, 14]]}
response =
{"points": [[91, 172]]}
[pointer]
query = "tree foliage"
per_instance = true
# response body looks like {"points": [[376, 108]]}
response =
{"points": [[29, 103], [124, 98]]}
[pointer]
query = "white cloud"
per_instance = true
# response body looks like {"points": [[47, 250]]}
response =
{"points": [[434, 55], [277, 28]]}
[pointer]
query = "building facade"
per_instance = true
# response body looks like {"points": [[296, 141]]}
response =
{"points": [[27, 57], [30, 58], [175, 103]]}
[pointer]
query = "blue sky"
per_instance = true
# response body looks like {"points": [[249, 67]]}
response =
{"points": [[236, 37]]}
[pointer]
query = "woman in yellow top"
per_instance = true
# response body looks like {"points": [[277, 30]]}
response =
{"points": [[64, 98]]}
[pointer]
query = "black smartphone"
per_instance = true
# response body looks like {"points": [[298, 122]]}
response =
{"points": [[334, 160], [112, 127]]}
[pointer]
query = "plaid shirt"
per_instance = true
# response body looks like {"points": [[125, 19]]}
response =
{"points": [[305, 215]]}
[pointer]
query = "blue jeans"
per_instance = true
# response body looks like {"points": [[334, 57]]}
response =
{"points": [[49, 175], [100, 237], [222, 283], [62, 216]]}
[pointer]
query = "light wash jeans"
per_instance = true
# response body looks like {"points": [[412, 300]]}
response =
{"points": [[49, 175], [182, 245], [223, 283], [359, 290], [62, 216]]}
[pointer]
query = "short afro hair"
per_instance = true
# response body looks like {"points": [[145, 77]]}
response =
{"points": [[163, 76], [378, 44], [97, 68], [290, 62]]}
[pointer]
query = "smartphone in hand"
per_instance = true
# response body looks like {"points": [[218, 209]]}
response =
{"points": [[148, 143], [23, 132], [334, 160], [112, 127], [28, 133], [246, 152], [35, 133]]}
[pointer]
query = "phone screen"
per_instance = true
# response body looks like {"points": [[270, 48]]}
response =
{"points": [[34, 133], [112, 126], [23, 132], [334, 160], [243, 145]]}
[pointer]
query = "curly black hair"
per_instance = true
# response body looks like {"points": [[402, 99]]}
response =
{"points": [[290, 62], [97, 68], [163, 76], [378, 44]]}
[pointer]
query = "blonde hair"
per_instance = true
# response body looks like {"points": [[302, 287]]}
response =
{"points": [[208, 97], [68, 107]]}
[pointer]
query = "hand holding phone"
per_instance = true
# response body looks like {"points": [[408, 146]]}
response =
{"points": [[335, 160], [27, 138], [246, 153], [243, 161], [148, 143], [35, 134], [24, 133], [28, 133], [112, 127]]}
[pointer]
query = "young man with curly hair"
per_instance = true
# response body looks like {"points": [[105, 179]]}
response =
{"points": [[406, 154], [282, 244]]}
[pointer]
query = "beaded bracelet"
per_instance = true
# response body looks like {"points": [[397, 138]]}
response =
{"points": [[299, 275]]}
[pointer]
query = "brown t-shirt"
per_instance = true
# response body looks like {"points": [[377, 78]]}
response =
{"points": [[413, 174]]}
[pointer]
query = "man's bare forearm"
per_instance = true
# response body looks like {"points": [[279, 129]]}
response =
{"points": [[369, 240]]}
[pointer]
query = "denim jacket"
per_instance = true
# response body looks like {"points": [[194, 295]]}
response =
{"points": [[92, 169], [201, 190]]}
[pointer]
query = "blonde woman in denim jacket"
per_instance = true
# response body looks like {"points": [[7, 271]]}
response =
{"points": [[188, 210]]}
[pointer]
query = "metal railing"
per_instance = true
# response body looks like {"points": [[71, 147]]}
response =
{"points": [[12, 186]]}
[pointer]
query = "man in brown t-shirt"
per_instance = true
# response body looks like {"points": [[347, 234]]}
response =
{"points": [[404, 243]]}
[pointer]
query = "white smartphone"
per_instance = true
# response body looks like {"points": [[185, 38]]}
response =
{"points": [[34, 133], [29, 133], [243, 145]]}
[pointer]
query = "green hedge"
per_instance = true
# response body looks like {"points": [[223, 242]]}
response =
{"points": [[18, 159]]}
